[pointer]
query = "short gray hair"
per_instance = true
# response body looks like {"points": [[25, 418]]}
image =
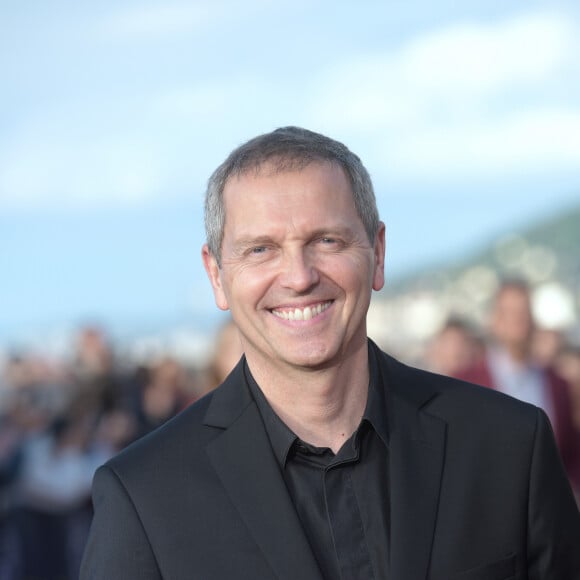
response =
{"points": [[287, 149]]}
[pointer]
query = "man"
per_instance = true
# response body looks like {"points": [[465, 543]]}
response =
{"points": [[508, 366], [320, 457]]}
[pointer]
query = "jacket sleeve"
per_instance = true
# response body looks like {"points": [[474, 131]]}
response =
{"points": [[553, 517], [118, 547]]}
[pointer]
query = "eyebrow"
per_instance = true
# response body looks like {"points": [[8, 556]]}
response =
{"points": [[252, 241], [247, 241]]}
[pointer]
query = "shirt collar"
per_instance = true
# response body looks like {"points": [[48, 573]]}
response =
{"points": [[376, 408], [282, 437]]}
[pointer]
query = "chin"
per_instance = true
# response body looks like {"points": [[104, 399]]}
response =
{"points": [[314, 359]]}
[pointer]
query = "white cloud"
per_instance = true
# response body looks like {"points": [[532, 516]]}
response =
{"points": [[435, 73], [467, 100], [478, 59], [540, 139], [464, 100], [126, 150]]}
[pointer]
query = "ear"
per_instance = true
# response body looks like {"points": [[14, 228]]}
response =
{"points": [[214, 274], [379, 256]]}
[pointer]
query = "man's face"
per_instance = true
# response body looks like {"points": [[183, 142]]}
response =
{"points": [[512, 323], [297, 266]]}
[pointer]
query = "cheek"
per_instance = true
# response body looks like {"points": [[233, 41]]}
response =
{"points": [[360, 274], [246, 287]]}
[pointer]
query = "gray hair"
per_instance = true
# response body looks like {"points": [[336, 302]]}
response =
{"points": [[287, 149]]}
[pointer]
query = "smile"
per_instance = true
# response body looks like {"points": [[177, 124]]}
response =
{"points": [[306, 313]]}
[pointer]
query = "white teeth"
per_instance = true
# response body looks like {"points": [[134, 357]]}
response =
{"points": [[306, 313]]}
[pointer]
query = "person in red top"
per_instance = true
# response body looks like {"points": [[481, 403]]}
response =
{"points": [[508, 366]]}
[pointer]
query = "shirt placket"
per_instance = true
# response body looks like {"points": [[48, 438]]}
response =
{"points": [[346, 524]]}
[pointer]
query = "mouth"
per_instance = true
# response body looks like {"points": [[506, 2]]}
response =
{"points": [[305, 313]]}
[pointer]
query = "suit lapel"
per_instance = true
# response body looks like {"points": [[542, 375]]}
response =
{"points": [[244, 461], [417, 455]]}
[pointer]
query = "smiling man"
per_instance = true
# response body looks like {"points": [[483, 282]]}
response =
{"points": [[321, 457]]}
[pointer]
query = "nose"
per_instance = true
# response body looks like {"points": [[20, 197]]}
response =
{"points": [[298, 273]]}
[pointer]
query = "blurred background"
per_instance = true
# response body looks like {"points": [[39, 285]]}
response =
{"points": [[114, 114]]}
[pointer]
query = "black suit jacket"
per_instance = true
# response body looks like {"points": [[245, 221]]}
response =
{"points": [[477, 492]]}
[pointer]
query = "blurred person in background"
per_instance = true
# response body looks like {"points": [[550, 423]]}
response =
{"points": [[546, 346], [508, 366], [58, 422], [98, 380], [53, 498], [32, 395], [11, 437], [567, 365], [227, 353], [320, 456], [163, 393], [455, 348]]}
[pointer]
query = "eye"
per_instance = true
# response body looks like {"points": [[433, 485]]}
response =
{"points": [[330, 243], [258, 250]]}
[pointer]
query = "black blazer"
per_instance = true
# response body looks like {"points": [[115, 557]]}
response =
{"points": [[477, 493]]}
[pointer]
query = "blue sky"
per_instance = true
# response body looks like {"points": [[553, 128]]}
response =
{"points": [[114, 113]]}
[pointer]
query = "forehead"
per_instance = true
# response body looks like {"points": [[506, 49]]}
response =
{"points": [[513, 296], [319, 193]]}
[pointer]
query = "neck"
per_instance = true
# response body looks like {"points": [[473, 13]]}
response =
{"points": [[322, 407]]}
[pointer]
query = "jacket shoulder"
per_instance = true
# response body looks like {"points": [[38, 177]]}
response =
{"points": [[454, 398], [180, 438]]}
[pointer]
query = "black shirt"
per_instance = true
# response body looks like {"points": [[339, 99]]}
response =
{"points": [[342, 499]]}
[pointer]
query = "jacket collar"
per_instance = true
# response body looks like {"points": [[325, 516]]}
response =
{"points": [[417, 459]]}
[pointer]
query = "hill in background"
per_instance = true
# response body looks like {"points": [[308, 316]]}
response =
{"points": [[546, 254]]}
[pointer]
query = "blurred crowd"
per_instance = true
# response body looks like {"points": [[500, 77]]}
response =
{"points": [[60, 420]]}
